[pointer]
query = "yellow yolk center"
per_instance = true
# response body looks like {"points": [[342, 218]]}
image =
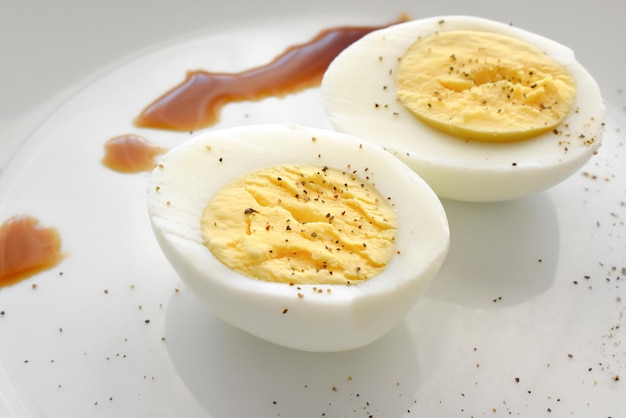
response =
{"points": [[301, 224], [484, 86]]}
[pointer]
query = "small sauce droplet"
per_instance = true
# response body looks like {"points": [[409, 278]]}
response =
{"points": [[130, 154], [27, 248], [197, 101]]}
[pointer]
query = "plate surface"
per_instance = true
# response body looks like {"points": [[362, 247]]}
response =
{"points": [[526, 317]]}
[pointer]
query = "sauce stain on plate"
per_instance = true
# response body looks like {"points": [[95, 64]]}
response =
{"points": [[130, 153], [27, 248], [197, 101]]}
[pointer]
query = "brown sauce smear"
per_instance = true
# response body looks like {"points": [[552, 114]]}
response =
{"points": [[27, 248], [130, 154], [197, 101]]}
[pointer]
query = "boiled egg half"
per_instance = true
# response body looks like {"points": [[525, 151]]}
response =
{"points": [[470, 104], [310, 315]]}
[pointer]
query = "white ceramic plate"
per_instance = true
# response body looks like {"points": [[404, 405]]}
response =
{"points": [[525, 319]]}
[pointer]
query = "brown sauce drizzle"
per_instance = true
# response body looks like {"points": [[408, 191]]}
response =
{"points": [[27, 248], [197, 101], [130, 154]]}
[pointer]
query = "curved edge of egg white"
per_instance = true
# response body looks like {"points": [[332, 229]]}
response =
{"points": [[475, 171], [349, 316]]}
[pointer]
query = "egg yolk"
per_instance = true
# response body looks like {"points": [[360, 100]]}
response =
{"points": [[484, 86], [301, 224]]}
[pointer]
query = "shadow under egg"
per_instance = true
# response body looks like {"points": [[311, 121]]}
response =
{"points": [[501, 254], [234, 374]]}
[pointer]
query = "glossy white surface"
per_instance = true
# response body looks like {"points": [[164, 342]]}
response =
{"points": [[531, 290]]}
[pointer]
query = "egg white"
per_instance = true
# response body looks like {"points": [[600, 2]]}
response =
{"points": [[359, 96], [347, 317]]}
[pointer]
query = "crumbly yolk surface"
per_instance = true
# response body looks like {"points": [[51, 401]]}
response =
{"points": [[301, 224], [484, 86]]}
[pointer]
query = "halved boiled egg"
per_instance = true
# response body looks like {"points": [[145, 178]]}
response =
{"points": [[273, 226], [482, 110]]}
